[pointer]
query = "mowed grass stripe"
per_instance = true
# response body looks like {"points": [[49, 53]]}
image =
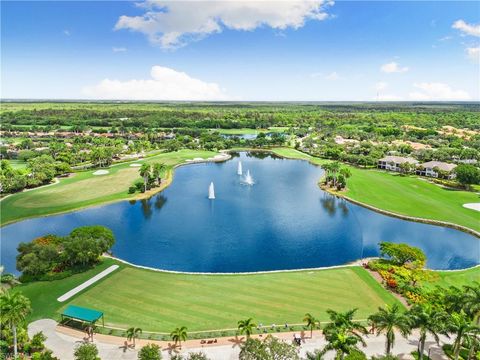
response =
{"points": [[159, 301]]}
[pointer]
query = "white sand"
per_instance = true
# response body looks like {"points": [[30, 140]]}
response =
{"points": [[87, 283], [473, 206], [135, 165], [198, 159], [100, 172]]}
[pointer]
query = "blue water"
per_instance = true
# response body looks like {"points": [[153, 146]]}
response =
{"points": [[284, 221]]}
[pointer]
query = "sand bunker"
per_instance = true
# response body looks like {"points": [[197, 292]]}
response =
{"points": [[473, 206], [100, 172]]}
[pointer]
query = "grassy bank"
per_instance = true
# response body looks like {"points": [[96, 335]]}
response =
{"points": [[404, 195], [157, 301], [84, 189], [456, 278]]}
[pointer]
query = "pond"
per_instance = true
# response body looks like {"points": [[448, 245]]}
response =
{"points": [[283, 221]]}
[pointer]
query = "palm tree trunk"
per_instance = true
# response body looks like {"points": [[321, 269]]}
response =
{"points": [[457, 347], [15, 352], [422, 347], [470, 352]]}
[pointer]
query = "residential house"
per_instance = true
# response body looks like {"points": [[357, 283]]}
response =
{"points": [[394, 163], [437, 169]]}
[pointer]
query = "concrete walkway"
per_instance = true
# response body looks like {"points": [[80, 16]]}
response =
{"points": [[87, 283], [63, 342]]}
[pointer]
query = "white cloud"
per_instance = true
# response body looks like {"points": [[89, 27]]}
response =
{"points": [[171, 24], [66, 32], [381, 85], [393, 67], [119, 49], [467, 29], [473, 53], [165, 84], [437, 91], [333, 76]]}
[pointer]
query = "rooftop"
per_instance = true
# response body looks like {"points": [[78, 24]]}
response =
{"points": [[439, 164], [399, 159]]}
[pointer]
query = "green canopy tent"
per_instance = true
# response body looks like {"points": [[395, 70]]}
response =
{"points": [[82, 314]]}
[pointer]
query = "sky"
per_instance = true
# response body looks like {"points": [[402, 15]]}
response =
{"points": [[316, 50]]}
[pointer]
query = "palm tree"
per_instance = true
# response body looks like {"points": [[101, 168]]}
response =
{"points": [[339, 320], [342, 343], [388, 320], [133, 333], [158, 168], [179, 334], [14, 308], [145, 170], [427, 320], [345, 172], [460, 325], [246, 326], [471, 300], [472, 340], [312, 323]]}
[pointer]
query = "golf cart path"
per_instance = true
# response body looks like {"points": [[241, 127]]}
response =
{"points": [[62, 343], [87, 283]]}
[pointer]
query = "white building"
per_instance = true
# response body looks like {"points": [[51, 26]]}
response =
{"points": [[393, 163]]}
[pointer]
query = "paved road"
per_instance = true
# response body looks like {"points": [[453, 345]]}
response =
{"points": [[62, 345]]}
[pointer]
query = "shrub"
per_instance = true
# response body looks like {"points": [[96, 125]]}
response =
{"points": [[132, 189], [86, 352], [150, 352]]}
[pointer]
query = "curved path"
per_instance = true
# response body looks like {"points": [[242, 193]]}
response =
{"points": [[62, 341]]}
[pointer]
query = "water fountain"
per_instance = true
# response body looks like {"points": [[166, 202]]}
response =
{"points": [[211, 191], [239, 168], [248, 179]]}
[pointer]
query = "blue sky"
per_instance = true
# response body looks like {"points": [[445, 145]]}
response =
{"points": [[266, 50]]}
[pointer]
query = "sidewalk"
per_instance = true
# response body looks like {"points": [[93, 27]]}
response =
{"points": [[62, 341]]}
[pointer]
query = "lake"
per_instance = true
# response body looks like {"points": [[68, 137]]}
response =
{"points": [[284, 221]]}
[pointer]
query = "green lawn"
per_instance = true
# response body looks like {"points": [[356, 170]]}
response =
{"points": [[456, 278], [157, 301], [412, 196], [406, 195], [84, 189]]}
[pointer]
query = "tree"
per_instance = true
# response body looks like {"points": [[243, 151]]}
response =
{"points": [[179, 334], [471, 300], [14, 308], [246, 326], [79, 251], [428, 321], [158, 169], [342, 343], [86, 351], [269, 349], [467, 174], [145, 171], [133, 333], [344, 321], [459, 324], [389, 319], [402, 254], [103, 236], [311, 322], [150, 352], [36, 259]]}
